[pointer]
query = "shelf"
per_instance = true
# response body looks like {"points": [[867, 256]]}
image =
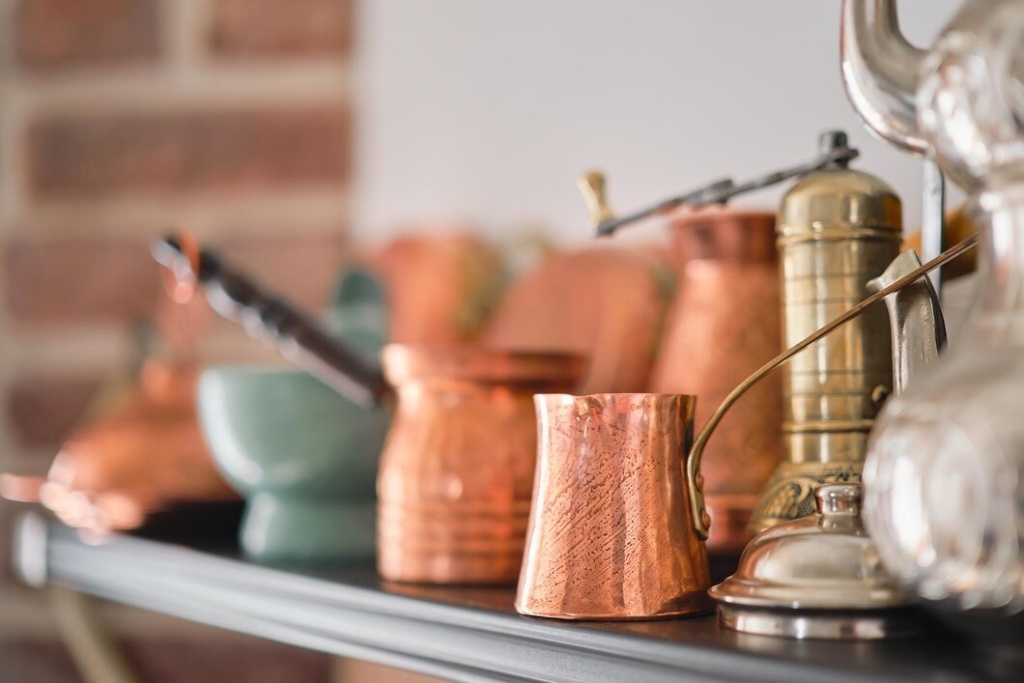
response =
{"points": [[465, 634]]}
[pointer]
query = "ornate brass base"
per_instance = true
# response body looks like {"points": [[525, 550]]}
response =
{"points": [[789, 494]]}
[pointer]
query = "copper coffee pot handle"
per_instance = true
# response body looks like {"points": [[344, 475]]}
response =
{"points": [[701, 519]]}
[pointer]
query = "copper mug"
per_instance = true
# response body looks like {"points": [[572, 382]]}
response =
{"points": [[611, 532]]}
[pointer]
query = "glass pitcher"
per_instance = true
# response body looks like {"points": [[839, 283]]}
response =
{"points": [[944, 477]]}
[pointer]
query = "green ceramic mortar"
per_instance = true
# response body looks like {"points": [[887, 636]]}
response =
{"points": [[304, 457]]}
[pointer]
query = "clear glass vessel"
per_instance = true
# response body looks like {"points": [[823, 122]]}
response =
{"points": [[944, 491], [944, 477]]}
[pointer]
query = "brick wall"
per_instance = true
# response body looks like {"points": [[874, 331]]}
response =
{"points": [[120, 119]]}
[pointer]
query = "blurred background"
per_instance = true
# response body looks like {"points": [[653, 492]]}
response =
{"points": [[291, 134]]}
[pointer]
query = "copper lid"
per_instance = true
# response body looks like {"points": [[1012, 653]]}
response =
{"points": [[403, 362]]}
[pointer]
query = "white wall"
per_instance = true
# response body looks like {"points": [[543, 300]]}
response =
{"points": [[489, 110]]}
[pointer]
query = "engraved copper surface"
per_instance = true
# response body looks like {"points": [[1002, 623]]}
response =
{"points": [[611, 532], [456, 474], [723, 325]]}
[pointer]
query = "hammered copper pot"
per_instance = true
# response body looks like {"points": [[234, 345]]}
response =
{"points": [[456, 473], [612, 533], [725, 324]]}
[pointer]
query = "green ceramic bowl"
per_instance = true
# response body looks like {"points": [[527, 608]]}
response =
{"points": [[304, 457]]}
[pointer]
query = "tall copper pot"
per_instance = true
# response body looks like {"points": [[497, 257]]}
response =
{"points": [[724, 324], [456, 473]]}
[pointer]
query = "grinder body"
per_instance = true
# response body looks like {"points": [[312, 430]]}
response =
{"points": [[837, 229]]}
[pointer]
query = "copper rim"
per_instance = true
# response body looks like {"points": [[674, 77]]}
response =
{"points": [[725, 235], [406, 362]]}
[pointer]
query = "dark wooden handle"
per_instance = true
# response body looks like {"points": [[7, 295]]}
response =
{"points": [[298, 337]]}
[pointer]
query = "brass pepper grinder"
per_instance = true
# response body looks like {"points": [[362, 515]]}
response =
{"points": [[837, 229]]}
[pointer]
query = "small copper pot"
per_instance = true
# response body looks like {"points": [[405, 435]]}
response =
{"points": [[142, 452], [456, 473], [725, 324], [612, 528]]}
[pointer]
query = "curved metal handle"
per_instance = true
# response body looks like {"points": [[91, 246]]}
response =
{"points": [[701, 519], [881, 71]]}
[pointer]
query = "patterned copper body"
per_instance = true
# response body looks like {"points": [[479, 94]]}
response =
{"points": [[723, 326], [611, 532], [837, 229], [456, 474]]}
